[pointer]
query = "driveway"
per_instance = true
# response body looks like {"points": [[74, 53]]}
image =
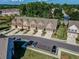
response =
{"points": [[48, 34], [38, 34], [71, 38]]}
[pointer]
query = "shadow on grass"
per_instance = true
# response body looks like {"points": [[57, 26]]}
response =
{"points": [[19, 51]]}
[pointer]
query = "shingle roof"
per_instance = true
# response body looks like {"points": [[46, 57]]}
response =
{"points": [[71, 22], [33, 18], [45, 21]]}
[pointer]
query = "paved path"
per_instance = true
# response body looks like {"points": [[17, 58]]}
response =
{"points": [[47, 44]]}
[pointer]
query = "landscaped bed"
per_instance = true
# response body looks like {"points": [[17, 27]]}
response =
{"points": [[61, 32], [65, 55]]}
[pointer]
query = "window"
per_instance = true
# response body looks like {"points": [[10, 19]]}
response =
{"points": [[75, 31]]}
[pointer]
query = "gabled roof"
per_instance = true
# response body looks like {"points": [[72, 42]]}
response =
{"points": [[43, 21], [73, 27], [34, 18], [76, 23], [49, 25]]}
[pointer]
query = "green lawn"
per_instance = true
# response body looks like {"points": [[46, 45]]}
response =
{"points": [[77, 40], [29, 54], [4, 26], [61, 33], [21, 53], [5, 22], [65, 55]]}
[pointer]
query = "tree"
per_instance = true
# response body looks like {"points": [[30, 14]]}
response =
{"points": [[74, 15], [58, 13], [23, 9], [36, 9]]}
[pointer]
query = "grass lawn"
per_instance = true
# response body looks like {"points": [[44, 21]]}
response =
{"points": [[61, 33], [65, 55], [29, 54], [77, 40], [4, 26], [4, 23]]}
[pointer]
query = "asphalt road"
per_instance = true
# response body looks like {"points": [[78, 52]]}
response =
{"points": [[47, 44]]}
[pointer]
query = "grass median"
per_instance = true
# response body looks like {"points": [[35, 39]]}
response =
{"points": [[30, 54]]}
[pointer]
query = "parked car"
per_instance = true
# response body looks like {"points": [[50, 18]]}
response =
{"points": [[30, 42], [35, 44], [54, 49]]}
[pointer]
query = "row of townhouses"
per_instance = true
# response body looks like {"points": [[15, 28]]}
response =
{"points": [[33, 22], [41, 23], [48, 24]]}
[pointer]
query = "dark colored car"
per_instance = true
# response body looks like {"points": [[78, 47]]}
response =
{"points": [[30, 42], [35, 44], [54, 49]]}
